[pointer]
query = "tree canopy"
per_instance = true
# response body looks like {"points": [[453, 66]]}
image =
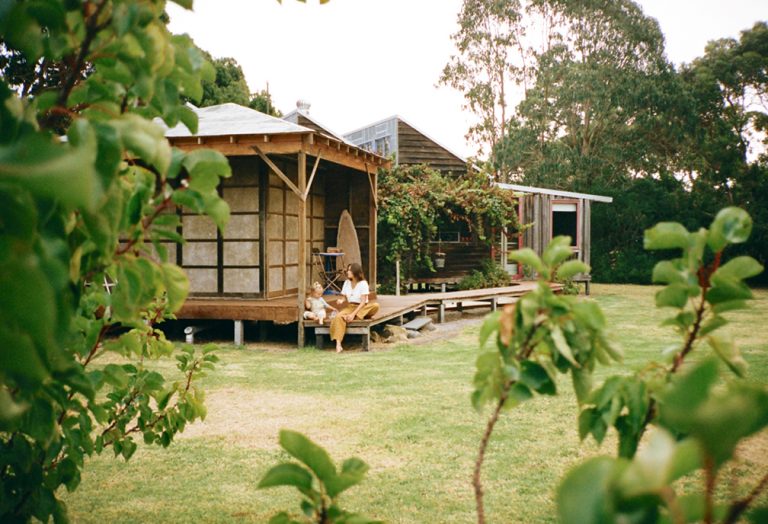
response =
{"points": [[603, 111], [230, 85]]}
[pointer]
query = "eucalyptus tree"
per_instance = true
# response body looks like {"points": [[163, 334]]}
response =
{"points": [[488, 65], [599, 99]]}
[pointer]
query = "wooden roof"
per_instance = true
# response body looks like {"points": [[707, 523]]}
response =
{"points": [[416, 147], [411, 144]]}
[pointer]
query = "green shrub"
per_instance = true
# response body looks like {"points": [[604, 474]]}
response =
{"points": [[491, 274]]}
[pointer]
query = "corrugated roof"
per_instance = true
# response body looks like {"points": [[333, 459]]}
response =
{"points": [[555, 192], [234, 119]]}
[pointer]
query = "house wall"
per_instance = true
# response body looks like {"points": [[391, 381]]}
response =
{"points": [[227, 263], [263, 230], [283, 229]]}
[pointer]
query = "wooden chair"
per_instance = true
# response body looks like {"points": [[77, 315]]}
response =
{"points": [[331, 278]]}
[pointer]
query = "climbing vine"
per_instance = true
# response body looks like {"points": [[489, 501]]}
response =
{"points": [[415, 199]]}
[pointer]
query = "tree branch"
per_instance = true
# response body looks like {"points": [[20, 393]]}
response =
{"points": [[710, 476], [741, 505], [92, 29], [527, 349], [704, 275]]}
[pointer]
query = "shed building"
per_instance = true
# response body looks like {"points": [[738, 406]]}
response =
{"points": [[550, 213]]}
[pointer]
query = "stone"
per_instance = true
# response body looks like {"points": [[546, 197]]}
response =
{"points": [[376, 337], [430, 327], [395, 333], [412, 333]]}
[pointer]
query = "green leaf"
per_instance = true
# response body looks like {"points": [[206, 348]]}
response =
{"points": [[561, 344], [144, 139], [674, 295], [688, 391], [59, 171], [558, 250], [667, 272], [533, 375], [205, 167], [490, 325], [518, 394], [661, 461], [352, 472], [712, 324], [589, 312], [739, 268], [283, 518], [309, 453], [582, 384], [571, 268], [528, 257], [19, 358], [729, 353], [731, 305], [176, 285], [217, 209], [129, 448], [666, 235], [116, 376], [186, 4], [287, 475], [586, 493], [731, 226], [726, 289]]}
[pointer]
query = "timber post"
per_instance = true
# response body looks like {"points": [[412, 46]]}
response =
{"points": [[302, 256]]}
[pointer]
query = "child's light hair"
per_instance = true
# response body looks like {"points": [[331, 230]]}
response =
{"points": [[317, 286]]}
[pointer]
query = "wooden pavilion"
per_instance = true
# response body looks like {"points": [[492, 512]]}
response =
{"points": [[289, 186]]}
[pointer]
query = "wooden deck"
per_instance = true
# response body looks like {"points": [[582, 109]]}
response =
{"points": [[283, 310]]}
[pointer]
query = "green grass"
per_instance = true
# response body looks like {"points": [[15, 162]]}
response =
{"points": [[404, 410]]}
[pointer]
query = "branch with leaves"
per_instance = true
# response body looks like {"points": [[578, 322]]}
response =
{"points": [[89, 192], [540, 336], [318, 480], [699, 420]]}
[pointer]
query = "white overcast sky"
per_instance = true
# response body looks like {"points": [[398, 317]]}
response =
{"points": [[358, 61]]}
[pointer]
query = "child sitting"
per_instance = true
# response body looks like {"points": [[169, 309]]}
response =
{"points": [[316, 305]]}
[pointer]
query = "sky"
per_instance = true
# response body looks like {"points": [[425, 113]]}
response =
{"points": [[359, 61]]}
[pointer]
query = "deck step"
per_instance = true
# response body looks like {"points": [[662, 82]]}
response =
{"points": [[417, 323]]}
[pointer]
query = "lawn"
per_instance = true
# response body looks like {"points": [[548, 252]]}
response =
{"points": [[405, 410]]}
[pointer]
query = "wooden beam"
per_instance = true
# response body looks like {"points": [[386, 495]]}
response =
{"points": [[301, 285], [279, 173], [285, 144], [372, 232], [373, 188], [312, 176]]}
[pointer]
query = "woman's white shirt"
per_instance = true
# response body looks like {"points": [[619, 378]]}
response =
{"points": [[355, 295]]}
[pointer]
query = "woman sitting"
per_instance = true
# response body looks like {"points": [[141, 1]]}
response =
{"points": [[356, 292]]}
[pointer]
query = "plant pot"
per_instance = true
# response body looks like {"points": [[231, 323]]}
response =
{"points": [[439, 260]]}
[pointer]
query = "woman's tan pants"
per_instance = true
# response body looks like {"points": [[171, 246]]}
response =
{"points": [[339, 325]]}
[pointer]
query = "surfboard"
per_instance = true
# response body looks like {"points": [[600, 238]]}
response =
{"points": [[347, 240]]}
